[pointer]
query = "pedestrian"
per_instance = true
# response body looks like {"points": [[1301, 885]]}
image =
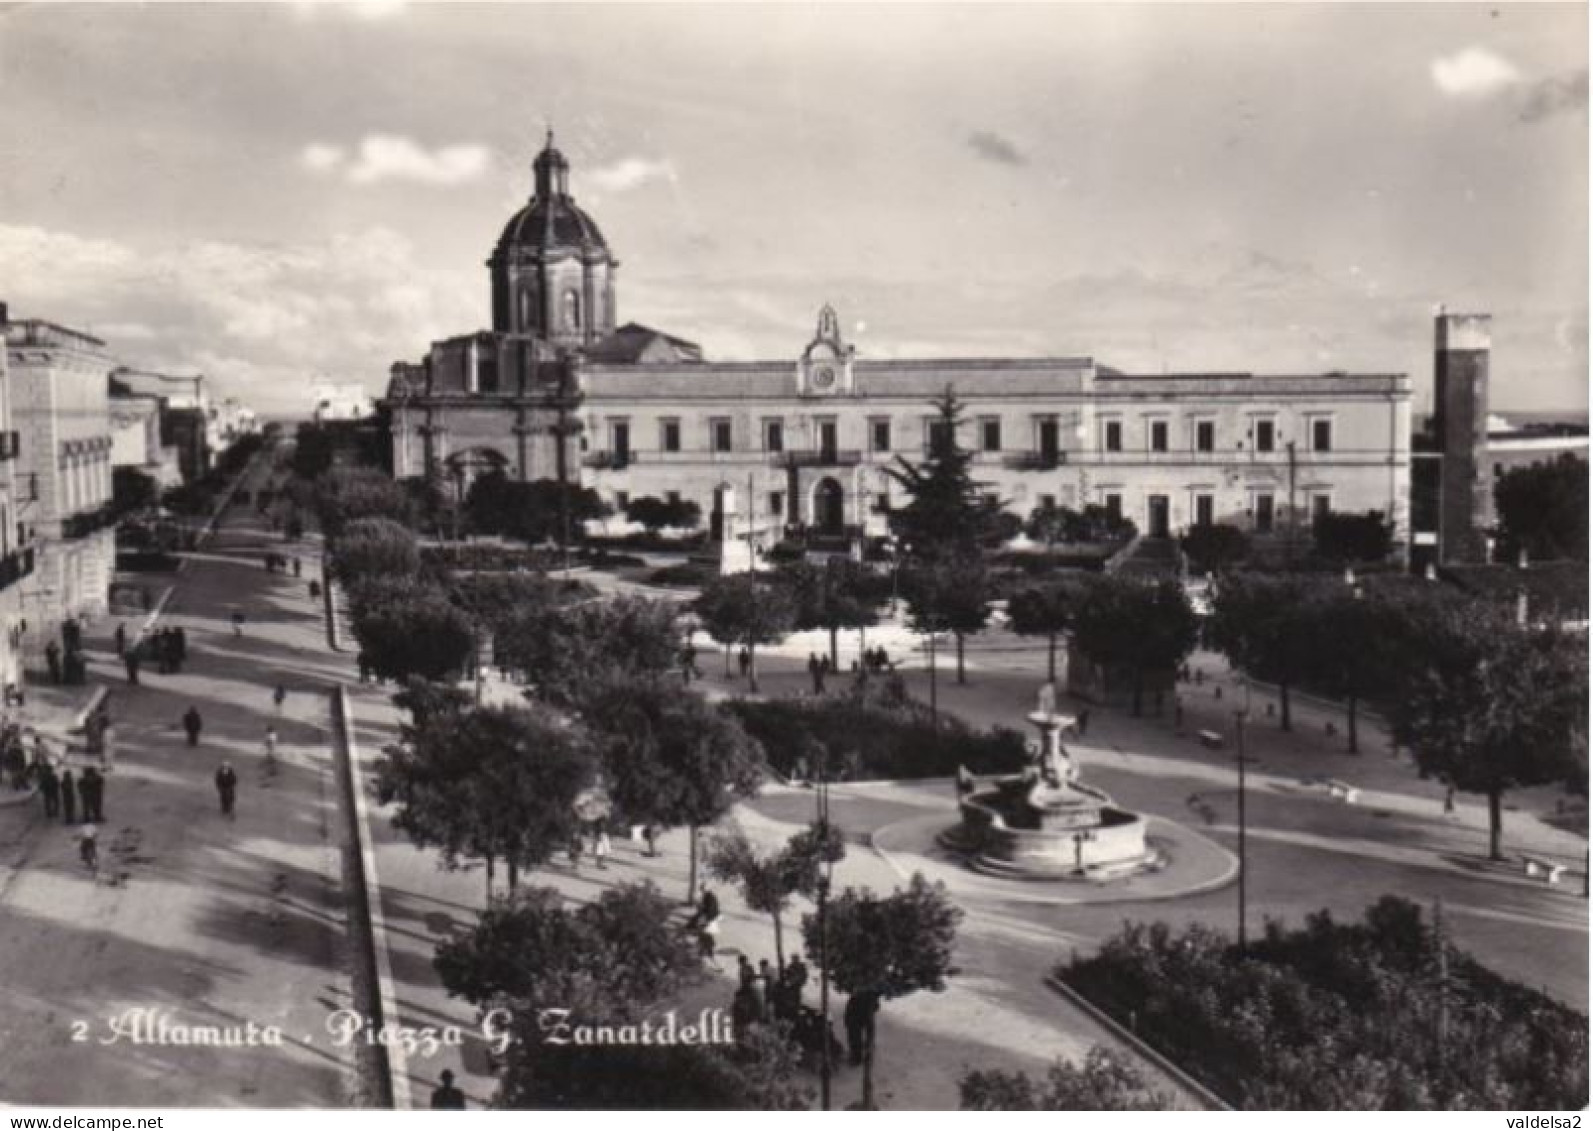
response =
{"points": [[859, 1016], [1084, 722], [766, 982], [131, 662], [278, 696], [68, 798], [745, 1009], [88, 848], [121, 638], [650, 835], [180, 634], [226, 787], [824, 672], [91, 788], [237, 622], [271, 745], [446, 1097], [744, 661], [575, 848], [796, 976], [52, 660], [50, 790], [1449, 802], [601, 847], [298, 568], [813, 673], [193, 724], [315, 589], [746, 971]]}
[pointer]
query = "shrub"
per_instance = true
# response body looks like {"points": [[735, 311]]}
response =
{"points": [[876, 735]]}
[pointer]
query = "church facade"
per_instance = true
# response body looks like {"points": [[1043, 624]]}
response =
{"points": [[557, 388]]}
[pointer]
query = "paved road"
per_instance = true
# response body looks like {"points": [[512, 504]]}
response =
{"points": [[210, 922]]}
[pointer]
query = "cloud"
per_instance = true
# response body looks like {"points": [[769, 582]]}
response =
{"points": [[629, 173], [994, 147], [390, 157], [319, 158], [1474, 72], [258, 319], [385, 157], [1562, 94]]}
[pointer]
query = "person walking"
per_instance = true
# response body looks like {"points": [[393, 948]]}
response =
{"points": [[744, 661], [88, 847], [226, 787], [823, 673], [50, 790], [601, 847], [91, 788], [52, 660], [68, 799], [271, 745], [121, 638], [193, 724], [278, 696], [237, 622], [298, 570], [813, 673], [746, 972], [445, 1096], [1084, 722], [130, 661]]}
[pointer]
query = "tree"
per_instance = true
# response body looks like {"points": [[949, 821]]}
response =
{"points": [[1543, 509], [768, 882], [1108, 1081], [740, 608], [406, 627], [567, 652], [1133, 626], [1094, 523], [1045, 608], [313, 450], [1213, 546], [655, 513], [133, 490], [1265, 627], [1353, 654], [1353, 537], [670, 758], [533, 511], [886, 947], [949, 594], [368, 547], [490, 784], [839, 594], [946, 513], [344, 494], [1492, 707]]}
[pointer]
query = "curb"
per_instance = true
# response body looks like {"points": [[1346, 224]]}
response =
{"points": [[382, 1067], [1208, 1099]]}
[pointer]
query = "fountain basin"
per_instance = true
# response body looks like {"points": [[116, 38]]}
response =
{"points": [[1083, 836]]}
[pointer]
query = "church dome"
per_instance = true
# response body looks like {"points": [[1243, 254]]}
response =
{"points": [[551, 219]]}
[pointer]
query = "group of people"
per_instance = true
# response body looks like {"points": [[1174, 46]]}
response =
{"points": [[764, 993], [279, 563], [61, 793]]}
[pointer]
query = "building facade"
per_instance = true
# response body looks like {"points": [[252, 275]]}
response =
{"points": [[17, 558], [59, 404], [802, 442]]}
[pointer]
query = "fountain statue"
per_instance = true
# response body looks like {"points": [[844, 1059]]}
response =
{"points": [[1045, 823]]}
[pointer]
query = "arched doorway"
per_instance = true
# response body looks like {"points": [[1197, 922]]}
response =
{"points": [[829, 507], [464, 468]]}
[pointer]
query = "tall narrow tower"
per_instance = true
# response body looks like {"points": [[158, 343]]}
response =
{"points": [[1460, 406]]}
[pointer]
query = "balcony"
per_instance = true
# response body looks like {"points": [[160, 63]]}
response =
{"points": [[10, 445], [1034, 461], [824, 457], [15, 566], [608, 461], [84, 523]]}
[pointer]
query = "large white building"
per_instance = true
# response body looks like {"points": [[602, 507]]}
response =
{"points": [[804, 440]]}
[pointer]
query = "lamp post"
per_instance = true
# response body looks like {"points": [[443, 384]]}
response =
{"points": [[822, 802], [1239, 733]]}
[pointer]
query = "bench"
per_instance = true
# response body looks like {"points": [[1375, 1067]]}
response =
{"points": [[1210, 739], [1342, 791], [1537, 866]]}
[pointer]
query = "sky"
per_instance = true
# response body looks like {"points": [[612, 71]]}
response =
{"points": [[284, 195]]}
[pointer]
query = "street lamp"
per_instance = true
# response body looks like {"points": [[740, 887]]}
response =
{"points": [[822, 803], [1239, 733]]}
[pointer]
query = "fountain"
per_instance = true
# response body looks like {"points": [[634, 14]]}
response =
{"points": [[1045, 823]]}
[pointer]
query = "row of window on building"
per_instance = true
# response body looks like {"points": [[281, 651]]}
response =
{"points": [[1263, 435]]}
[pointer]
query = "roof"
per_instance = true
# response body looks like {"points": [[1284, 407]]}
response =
{"points": [[555, 222], [633, 343]]}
